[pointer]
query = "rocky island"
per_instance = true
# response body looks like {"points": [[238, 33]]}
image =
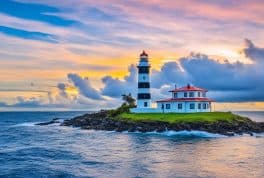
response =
{"points": [[225, 123]]}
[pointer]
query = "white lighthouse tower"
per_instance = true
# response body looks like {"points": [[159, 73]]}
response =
{"points": [[143, 96]]}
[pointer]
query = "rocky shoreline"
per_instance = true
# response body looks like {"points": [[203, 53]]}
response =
{"points": [[102, 121]]}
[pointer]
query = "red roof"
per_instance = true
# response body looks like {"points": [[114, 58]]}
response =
{"points": [[189, 88], [143, 53], [186, 99]]}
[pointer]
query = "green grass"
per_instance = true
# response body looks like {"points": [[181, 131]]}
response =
{"points": [[208, 117]]}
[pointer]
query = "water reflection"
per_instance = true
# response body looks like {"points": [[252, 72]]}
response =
{"points": [[64, 151]]}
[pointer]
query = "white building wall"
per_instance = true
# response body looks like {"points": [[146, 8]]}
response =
{"points": [[140, 103], [185, 107]]}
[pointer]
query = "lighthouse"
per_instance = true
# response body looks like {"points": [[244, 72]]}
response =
{"points": [[187, 99], [143, 96]]}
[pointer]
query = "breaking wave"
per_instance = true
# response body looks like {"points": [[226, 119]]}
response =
{"points": [[25, 124], [184, 133]]}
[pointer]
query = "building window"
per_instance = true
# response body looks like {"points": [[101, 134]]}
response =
{"points": [[145, 104], [180, 106], [191, 94], [199, 94], [199, 106], [204, 95], [204, 106], [175, 95], [185, 94], [167, 106], [192, 106]]}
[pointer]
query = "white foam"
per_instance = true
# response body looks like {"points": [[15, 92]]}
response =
{"points": [[184, 133], [26, 124]]}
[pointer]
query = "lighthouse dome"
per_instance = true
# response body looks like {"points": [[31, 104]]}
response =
{"points": [[143, 54]]}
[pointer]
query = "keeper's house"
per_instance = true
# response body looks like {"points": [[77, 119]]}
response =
{"points": [[183, 100], [186, 99]]}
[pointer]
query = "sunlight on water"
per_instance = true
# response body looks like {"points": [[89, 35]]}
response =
{"points": [[55, 151]]}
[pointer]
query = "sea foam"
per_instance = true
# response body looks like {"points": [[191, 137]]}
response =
{"points": [[183, 133]]}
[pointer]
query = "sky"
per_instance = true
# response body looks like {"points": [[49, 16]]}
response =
{"points": [[82, 54]]}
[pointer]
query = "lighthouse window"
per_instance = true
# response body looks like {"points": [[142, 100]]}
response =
{"points": [[175, 95], [191, 94], [199, 106], [204, 106], [185, 94], [192, 106], [180, 106], [199, 94], [143, 70], [143, 96], [167, 106], [145, 104]]}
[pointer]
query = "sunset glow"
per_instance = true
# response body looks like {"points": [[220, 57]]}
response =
{"points": [[43, 42]]}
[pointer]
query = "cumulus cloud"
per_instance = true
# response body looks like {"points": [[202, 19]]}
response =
{"points": [[226, 81], [256, 54], [62, 90], [27, 103], [84, 86], [114, 87], [170, 73], [213, 75]]}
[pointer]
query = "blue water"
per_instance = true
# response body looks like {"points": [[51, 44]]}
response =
{"points": [[27, 150]]}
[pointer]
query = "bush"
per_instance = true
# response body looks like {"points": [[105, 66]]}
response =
{"points": [[124, 108]]}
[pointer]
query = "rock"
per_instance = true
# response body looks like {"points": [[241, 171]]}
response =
{"points": [[102, 121], [54, 121]]}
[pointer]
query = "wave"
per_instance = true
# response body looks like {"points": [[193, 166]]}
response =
{"points": [[31, 124], [26, 124], [258, 135], [183, 133]]}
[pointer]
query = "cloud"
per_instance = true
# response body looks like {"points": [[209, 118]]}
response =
{"points": [[84, 86], [33, 11], [229, 82], [27, 103], [226, 81], [256, 54], [28, 34], [3, 104], [170, 74], [211, 74], [62, 90], [114, 87]]}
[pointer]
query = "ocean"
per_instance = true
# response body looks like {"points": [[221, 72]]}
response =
{"points": [[27, 150]]}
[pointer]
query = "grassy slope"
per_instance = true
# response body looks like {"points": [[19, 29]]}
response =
{"points": [[182, 117]]}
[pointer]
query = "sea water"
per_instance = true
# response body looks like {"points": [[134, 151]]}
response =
{"points": [[27, 150]]}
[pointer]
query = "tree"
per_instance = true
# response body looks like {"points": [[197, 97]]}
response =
{"points": [[129, 100]]}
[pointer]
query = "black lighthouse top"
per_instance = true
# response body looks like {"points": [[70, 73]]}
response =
{"points": [[143, 54], [143, 57]]}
